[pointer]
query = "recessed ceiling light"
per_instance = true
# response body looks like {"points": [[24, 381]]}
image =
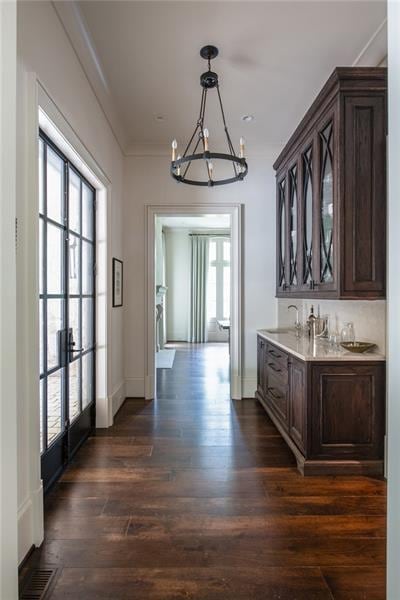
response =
{"points": [[159, 118], [248, 118]]}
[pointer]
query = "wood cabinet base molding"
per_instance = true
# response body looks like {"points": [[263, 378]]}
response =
{"points": [[331, 414]]}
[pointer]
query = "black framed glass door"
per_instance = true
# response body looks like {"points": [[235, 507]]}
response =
{"points": [[67, 309]]}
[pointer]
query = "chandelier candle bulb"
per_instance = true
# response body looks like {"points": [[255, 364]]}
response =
{"points": [[174, 147], [206, 136], [178, 168], [210, 168], [241, 142]]}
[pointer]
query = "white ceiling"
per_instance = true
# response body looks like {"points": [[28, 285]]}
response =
{"points": [[198, 222], [142, 59]]}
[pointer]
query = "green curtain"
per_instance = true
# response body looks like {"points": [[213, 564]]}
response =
{"points": [[198, 324]]}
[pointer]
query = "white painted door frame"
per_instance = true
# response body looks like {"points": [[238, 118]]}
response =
{"points": [[187, 210]]}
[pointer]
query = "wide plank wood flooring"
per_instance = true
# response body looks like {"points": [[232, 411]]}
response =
{"points": [[195, 496]]}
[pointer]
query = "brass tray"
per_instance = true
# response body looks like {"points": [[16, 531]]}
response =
{"points": [[358, 347]]}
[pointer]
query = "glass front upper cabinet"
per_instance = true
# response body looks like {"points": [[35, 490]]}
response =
{"points": [[307, 164], [293, 234], [282, 283], [326, 204]]}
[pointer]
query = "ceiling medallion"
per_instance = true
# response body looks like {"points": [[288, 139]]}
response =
{"points": [[180, 165]]}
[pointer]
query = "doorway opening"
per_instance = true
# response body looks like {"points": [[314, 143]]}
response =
{"points": [[193, 301]]}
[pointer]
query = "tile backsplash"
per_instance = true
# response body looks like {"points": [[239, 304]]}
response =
{"points": [[368, 316]]}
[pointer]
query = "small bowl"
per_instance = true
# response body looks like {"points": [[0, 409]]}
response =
{"points": [[358, 347]]}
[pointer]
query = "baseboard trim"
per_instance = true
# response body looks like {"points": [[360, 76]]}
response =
{"points": [[117, 398], [249, 387], [134, 387], [30, 523]]}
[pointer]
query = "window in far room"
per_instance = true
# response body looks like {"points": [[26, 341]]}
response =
{"points": [[219, 279]]}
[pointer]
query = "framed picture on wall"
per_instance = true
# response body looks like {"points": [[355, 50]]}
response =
{"points": [[117, 282]]}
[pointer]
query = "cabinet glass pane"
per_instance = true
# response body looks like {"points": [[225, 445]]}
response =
{"points": [[55, 186], [293, 225], [54, 405], [282, 232], [308, 216], [326, 204]]}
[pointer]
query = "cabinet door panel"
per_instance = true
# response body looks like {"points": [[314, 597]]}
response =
{"points": [[277, 394], [298, 403], [364, 201], [348, 411]]}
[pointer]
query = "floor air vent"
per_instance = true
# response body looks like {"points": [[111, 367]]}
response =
{"points": [[38, 584]]}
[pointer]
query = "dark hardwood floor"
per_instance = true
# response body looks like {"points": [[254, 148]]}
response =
{"points": [[193, 496]]}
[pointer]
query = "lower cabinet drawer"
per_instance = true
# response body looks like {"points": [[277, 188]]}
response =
{"points": [[277, 395]]}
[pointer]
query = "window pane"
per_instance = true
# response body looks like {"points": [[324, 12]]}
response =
{"points": [[227, 251], [42, 383], [41, 337], [87, 268], [227, 292], [213, 250], [54, 254], [54, 403], [74, 201], [87, 379], [55, 185], [41, 189], [54, 324], [87, 211], [74, 264], [74, 320], [87, 323], [41, 242], [212, 293], [74, 388]]}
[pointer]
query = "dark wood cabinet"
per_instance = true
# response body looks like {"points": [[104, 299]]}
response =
{"points": [[331, 192], [330, 413]]}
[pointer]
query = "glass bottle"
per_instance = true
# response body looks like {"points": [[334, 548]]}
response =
{"points": [[347, 334]]}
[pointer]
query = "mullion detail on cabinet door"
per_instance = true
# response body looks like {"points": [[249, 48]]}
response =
{"points": [[282, 234], [326, 205], [293, 226], [307, 196]]}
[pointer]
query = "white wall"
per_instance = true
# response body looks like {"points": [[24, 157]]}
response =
{"points": [[368, 316], [393, 362], [44, 48], [8, 398], [147, 181], [177, 243]]}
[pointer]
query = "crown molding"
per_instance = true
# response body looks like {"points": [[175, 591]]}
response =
{"points": [[78, 33], [374, 52]]}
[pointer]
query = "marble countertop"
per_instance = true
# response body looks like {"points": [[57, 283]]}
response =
{"points": [[318, 350]]}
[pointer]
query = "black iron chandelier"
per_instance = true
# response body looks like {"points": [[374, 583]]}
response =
{"points": [[180, 165]]}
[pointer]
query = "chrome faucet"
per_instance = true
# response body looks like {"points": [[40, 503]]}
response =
{"points": [[297, 324]]}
